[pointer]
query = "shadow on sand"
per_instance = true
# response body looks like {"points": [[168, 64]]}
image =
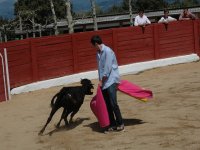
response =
{"points": [[127, 122], [71, 126]]}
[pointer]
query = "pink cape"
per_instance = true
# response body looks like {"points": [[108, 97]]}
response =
{"points": [[98, 107], [134, 90]]}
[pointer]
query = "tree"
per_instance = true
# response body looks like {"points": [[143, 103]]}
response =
{"points": [[94, 14], [190, 3], [130, 12], [3, 31], [42, 9], [54, 17], [69, 16], [150, 4], [115, 10]]}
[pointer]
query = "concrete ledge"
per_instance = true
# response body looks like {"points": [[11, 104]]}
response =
{"points": [[125, 69]]}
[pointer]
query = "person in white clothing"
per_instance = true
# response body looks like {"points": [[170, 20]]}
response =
{"points": [[166, 18], [141, 19]]}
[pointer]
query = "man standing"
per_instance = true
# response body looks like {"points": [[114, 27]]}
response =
{"points": [[108, 79], [141, 19]]}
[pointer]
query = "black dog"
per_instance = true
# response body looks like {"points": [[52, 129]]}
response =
{"points": [[71, 99]]}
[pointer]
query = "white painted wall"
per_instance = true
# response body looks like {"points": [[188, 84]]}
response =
{"points": [[124, 70]]}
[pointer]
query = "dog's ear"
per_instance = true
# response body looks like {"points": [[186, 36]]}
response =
{"points": [[82, 81]]}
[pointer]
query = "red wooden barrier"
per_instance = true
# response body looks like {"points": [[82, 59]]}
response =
{"points": [[133, 45], [44, 58], [19, 62], [196, 26], [178, 39], [52, 57]]}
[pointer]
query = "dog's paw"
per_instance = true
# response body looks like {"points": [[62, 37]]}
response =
{"points": [[40, 133], [77, 119], [71, 121], [57, 126]]}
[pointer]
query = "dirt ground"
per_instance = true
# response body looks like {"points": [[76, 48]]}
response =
{"points": [[169, 121]]}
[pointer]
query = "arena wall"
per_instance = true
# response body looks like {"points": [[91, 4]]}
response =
{"points": [[34, 60]]}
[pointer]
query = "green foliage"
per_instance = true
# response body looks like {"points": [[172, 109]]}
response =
{"points": [[115, 10], [190, 3], [3, 21], [40, 9], [150, 4]]}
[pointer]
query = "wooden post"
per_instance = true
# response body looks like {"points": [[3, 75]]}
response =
{"points": [[74, 51], [114, 42], [34, 61], [156, 41], [196, 36]]}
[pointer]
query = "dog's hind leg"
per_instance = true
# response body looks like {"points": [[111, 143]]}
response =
{"points": [[48, 120], [62, 117], [72, 115], [65, 118]]}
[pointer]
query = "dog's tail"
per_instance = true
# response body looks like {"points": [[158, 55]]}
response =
{"points": [[53, 100], [57, 96]]}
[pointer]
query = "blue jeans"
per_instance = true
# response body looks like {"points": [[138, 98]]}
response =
{"points": [[110, 97]]}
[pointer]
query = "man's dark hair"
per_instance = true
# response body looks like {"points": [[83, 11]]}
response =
{"points": [[140, 10], [166, 11], [96, 39]]}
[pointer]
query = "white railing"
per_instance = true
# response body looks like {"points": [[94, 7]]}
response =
{"points": [[6, 79]]}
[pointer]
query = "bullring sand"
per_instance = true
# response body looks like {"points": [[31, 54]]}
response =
{"points": [[169, 121]]}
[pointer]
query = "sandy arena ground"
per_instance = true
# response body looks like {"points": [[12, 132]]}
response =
{"points": [[169, 121]]}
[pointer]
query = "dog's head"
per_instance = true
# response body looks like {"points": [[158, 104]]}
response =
{"points": [[88, 86]]}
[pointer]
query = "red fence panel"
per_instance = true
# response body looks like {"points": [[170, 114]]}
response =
{"points": [[53, 56], [44, 58], [177, 39], [196, 25], [84, 51], [134, 44], [19, 62]]}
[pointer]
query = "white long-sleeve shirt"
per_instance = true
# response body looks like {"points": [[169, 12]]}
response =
{"points": [[166, 20], [141, 20]]}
